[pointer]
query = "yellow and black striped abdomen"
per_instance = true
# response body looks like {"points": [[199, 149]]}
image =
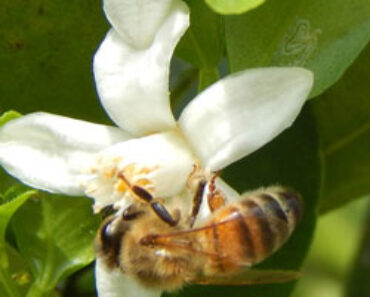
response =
{"points": [[248, 231]]}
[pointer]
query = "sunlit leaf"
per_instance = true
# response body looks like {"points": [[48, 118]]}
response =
{"points": [[233, 6], [324, 36], [8, 116], [343, 116]]}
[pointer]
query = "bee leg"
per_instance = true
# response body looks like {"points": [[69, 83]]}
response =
{"points": [[215, 198], [163, 213], [156, 205], [193, 175], [197, 201]]}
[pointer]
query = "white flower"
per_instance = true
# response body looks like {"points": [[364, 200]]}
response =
{"points": [[229, 120]]}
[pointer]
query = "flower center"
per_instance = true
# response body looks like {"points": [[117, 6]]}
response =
{"points": [[114, 180]]}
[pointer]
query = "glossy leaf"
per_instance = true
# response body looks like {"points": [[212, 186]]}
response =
{"points": [[55, 235], [202, 45], [290, 160], [46, 49], [233, 6], [344, 126], [324, 36]]}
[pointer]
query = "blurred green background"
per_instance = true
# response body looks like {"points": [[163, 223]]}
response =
{"points": [[340, 247]]}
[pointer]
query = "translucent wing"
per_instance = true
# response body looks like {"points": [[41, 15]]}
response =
{"points": [[249, 277], [202, 240], [185, 239]]}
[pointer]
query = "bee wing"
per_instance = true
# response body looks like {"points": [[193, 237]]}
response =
{"points": [[184, 239], [249, 277]]}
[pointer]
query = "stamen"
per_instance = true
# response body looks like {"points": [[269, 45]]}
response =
{"points": [[109, 173], [120, 186]]}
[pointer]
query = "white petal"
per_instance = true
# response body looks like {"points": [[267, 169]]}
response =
{"points": [[49, 152], [160, 163], [239, 114], [137, 21], [133, 84], [113, 283]]}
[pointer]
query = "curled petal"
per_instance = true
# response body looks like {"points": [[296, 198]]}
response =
{"points": [[242, 112], [159, 163], [49, 152], [113, 283], [133, 83], [137, 22]]}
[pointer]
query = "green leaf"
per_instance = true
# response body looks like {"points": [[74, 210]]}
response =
{"points": [[202, 45], [55, 235], [10, 204], [48, 46], [344, 126], [324, 36], [207, 76], [290, 160], [8, 209], [233, 6], [8, 116]]}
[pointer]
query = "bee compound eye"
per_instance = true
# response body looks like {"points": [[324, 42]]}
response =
{"points": [[112, 230], [106, 231]]}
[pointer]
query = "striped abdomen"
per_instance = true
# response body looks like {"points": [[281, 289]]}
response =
{"points": [[246, 232]]}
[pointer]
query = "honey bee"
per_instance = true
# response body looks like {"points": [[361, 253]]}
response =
{"points": [[220, 251]]}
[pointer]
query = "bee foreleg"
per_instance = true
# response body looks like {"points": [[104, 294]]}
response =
{"points": [[197, 201], [156, 205], [163, 213]]}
